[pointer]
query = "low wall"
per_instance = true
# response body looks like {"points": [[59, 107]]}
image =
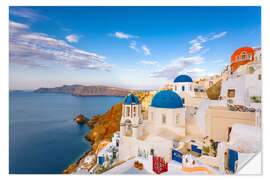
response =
{"points": [[121, 168]]}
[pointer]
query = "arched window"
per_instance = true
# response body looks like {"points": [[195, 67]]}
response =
{"points": [[128, 111], [243, 55], [163, 119], [183, 88], [177, 119], [134, 111]]}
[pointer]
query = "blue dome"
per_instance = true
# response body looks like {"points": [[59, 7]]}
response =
{"points": [[167, 99], [183, 78], [131, 99]]}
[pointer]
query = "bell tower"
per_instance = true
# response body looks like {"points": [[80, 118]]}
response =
{"points": [[131, 120]]}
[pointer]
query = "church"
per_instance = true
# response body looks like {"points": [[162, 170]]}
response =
{"points": [[166, 121]]}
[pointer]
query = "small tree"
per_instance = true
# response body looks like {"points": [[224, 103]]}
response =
{"points": [[152, 151]]}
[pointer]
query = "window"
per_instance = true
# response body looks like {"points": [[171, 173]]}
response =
{"points": [[152, 116], [183, 88], [175, 88], [249, 57], [237, 58], [229, 132], [163, 119], [190, 87], [231, 93], [128, 111], [183, 100], [260, 77], [177, 119], [134, 111], [243, 55]]}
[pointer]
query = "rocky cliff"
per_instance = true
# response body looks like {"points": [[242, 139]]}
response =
{"points": [[213, 92], [103, 127], [81, 119], [67, 89], [80, 90]]}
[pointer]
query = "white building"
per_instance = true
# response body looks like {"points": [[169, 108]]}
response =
{"points": [[241, 89], [116, 139], [166, 121], [131, 121], [183, 85]]}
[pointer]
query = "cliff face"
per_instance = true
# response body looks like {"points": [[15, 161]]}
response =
{"points": [[67, 89], [104, 126], [214, 91], [80, 90], [100, 91]]}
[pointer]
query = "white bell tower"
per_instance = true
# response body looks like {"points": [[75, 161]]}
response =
{"points": [[131, 120]]}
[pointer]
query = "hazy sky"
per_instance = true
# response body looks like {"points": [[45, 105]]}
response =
{"points": [[129, 47]]}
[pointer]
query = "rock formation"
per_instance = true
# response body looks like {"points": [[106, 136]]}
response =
{"points": [[213, 92], [81, 119]]}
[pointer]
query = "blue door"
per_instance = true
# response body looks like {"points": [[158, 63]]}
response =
{"points": [[177, 156], [195, 149], [217, 144], [233, 157], [100, 160]]}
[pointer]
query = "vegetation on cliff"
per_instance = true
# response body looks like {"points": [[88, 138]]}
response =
{"points": [[213, 92]]}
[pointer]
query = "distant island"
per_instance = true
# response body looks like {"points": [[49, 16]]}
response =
{"points": [[81, 90]]}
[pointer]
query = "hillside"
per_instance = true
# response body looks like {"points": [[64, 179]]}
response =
{"points": [[214, 91], [103, 128], [67, 89], [80, 90]]}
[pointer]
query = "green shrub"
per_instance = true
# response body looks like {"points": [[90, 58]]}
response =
{"points": [[206, 149]]}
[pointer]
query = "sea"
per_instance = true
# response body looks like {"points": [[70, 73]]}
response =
{"points": [[43, 138]]}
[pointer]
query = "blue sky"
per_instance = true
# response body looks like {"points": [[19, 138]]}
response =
{"points": [[128, 47]]}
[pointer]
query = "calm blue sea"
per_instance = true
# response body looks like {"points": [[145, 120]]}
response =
{"points": [[43, 139]]}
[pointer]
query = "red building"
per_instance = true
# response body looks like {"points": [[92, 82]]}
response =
{"points": [[241, 56]]}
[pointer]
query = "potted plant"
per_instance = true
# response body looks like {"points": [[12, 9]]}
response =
{"points": [[136, 164], [140, 167]]}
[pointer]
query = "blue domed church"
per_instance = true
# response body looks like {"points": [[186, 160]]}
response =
{"points": [[167, 110], [183, 85], [165, 123]]}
